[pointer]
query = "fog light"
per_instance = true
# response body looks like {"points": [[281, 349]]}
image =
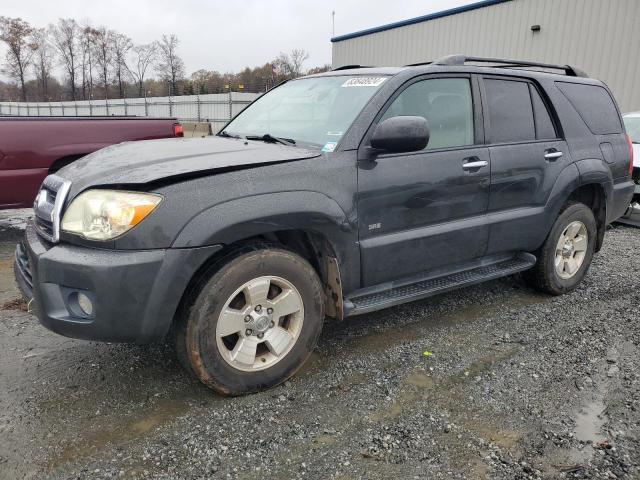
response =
{"points": [[80, 304], [85, 304]]}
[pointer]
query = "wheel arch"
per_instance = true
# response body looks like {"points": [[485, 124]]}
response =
{"points": [[307, 223], [588, 182], [308, 244], [594, 196]]}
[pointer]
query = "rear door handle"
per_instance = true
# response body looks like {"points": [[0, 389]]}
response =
{"points": [[552, 154], [475, 164]]}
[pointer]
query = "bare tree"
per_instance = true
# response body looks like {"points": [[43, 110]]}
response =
{"points": [[17, 34], [120, 46], [87, 41], [103, 55], [65, 38], [290, 65], [170, 66], [142, 58], [297, 58], [43, 61]]}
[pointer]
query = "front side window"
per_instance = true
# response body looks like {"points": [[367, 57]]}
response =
{"points": [[316, 111], [447, 106]]}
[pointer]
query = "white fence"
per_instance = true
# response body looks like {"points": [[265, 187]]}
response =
{"points": [[216, 108]]}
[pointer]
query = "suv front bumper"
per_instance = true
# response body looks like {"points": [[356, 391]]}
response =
{"points": [[134, 294]]}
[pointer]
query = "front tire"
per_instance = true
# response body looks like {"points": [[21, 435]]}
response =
{"points": [[253, 321], [565, 257]]}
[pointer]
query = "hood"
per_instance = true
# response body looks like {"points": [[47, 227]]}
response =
{"points": [[146, 161]]}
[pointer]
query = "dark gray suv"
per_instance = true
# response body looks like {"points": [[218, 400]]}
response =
{"points": [[332, 195]]}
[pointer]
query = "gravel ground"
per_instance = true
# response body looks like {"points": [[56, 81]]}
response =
{"points": [[517, 385]]}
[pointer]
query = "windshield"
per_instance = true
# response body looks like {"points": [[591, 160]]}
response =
{"points": [[632, 124], [316, 111]]}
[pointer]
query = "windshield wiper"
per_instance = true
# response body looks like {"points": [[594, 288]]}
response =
{"points": [[229, 135], [267, 137]]}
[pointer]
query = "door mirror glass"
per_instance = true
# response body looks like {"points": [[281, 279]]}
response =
{"points": [[401, 134]]}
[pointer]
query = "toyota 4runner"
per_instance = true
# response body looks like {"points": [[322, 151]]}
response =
{"points": [[331, 195]]}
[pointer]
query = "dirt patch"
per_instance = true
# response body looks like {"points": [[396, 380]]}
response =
{"points": [[15, 304]]}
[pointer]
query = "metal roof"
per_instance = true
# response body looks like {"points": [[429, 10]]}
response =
{"points": [[423, 18]]}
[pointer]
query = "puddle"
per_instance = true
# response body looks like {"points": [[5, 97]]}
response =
{"points": [[162, 413], [12, 224], [592, 417], [420, 379], [589, 422]]}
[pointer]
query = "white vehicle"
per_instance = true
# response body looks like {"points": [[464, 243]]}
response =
{"points": [[632, 125]]}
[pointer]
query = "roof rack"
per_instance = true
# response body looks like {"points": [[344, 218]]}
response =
{"points": [[349, 67], [419, 64], [459, 60]]}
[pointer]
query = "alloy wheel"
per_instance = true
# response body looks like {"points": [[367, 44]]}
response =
{"points": [[260, 323], [571, 249]]}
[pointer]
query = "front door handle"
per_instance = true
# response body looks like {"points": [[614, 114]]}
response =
{"points": [[552, 154], [475, 164]]}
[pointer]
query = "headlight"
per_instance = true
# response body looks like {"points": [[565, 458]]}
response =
{"points": [[107, 214]]}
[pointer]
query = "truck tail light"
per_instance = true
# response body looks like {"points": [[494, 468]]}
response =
{"points": [[178, 131], [630, 155]]}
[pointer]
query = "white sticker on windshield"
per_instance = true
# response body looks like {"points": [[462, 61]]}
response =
{"points": [[329, 146], [364, 82]]}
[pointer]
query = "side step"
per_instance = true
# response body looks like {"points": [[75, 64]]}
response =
{"points": [[390, 294]]}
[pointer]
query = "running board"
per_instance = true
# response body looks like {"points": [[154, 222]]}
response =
{"points": [[376, 298]]}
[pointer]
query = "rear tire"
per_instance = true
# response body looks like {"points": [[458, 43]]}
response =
{"points": [[565, 257], [252, 321]]}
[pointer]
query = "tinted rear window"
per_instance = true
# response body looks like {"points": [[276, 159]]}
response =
{"points": [[594, 104], [510, 111]]}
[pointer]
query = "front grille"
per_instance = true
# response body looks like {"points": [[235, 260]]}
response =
{"points": [[22, 260], [48, 207]]}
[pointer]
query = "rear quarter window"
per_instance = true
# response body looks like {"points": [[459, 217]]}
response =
{"points": [[594, 105]]}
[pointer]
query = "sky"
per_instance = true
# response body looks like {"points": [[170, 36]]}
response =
{"points": [[229, 35]]}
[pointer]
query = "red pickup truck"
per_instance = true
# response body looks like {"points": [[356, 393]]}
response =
{"points": [[33, 147]]}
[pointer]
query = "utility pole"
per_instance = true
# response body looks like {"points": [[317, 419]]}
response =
{"points": [[333, 23]]}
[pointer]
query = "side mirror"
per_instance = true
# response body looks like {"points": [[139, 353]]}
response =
{"points": [[401, 134]]}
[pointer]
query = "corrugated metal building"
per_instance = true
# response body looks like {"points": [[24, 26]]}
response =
{"points": [[601, 37]]}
